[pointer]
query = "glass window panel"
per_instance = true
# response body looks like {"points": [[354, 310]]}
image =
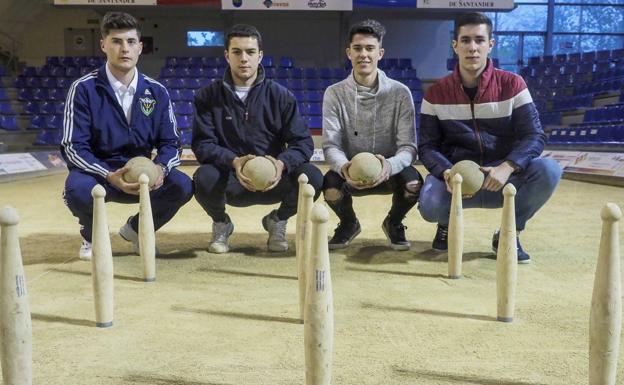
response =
{"points": [[506, 49], [533, 46], [567, 18], [602, 19], [589, 1], [523, 18], [601, 42], [565, 44]]}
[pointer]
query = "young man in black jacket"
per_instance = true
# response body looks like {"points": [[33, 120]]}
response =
{"points": [[237, 118]]}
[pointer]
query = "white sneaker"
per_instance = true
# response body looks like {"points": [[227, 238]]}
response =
{"points": [[86, 251], [127, 233], [277, 232], [221, 232]]}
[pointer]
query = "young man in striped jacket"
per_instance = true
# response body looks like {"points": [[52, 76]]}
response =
{"points": [[485, 115], [111, 115]]}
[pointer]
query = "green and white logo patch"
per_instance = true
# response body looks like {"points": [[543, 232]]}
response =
{"points": [[147, 105]]}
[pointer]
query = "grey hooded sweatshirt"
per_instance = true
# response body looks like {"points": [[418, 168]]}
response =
{"points": [[360, 119]]}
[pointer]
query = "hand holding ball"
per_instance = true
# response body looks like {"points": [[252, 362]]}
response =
{"points": [[365, 168], [261, 171], [141, 165], [471, 174]]}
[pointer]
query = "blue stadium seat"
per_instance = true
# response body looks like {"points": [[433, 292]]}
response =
{"points": [[286, 62], [72, 72], [282, 73], [209, 62], [8, 123], [33, 82], [183, 108], [48, 138], [37, 122], [340, 73], [41, 93], [54, 122], [186, 137], [30, 107], [193, 83], [187, 94], [324, 83], [196, 62], [309, 84], [48, 82], [314, 96], [167, 72], [63, 82], [410, 74], [588, 57], [395, 73], [53, 61], [405, 63], [561, 58], [315, 122], [182, 72], [57, 71], [185, 122], [174, 95], [282, 82], [29, 71], [43, 71], [267, 61], [299, 95], [295, 84], [309, 73], [6, 109], [325, 73], [221, 62], [315, 109], [296, 73], [392, 63], [57, 94]]}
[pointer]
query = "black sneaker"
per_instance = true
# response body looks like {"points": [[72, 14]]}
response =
{"points": [[344, 234], [395, 233], [523, 257], [440, 242]]}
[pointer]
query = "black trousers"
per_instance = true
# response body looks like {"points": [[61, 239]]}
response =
{"points": [[215, 187], [402, 200]]}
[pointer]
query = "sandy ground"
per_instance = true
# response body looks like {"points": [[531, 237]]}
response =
{"points": [[232, 319]]}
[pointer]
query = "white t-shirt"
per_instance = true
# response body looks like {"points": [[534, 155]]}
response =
{"points": [[242, 92], [124, 94]]}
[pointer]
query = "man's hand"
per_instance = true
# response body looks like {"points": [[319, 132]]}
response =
{"points": [[160, 179], [279, 170], [384, 175], [497, 176], [446, 175], [353, 183], [238, 164], [116, 179]]}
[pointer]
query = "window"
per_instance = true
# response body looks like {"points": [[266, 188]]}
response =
{"points": [[204, 39]]}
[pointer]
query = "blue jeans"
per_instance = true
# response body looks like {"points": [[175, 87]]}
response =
{"points": [[535, 185], [176, 190]]}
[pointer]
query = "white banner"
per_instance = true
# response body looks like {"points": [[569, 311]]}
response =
{"points": [[18, 163], [104, 2], [482, 5], [592, 163], [288, 5]]}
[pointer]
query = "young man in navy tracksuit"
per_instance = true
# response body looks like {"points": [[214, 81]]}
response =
{"points": [[111, 115], [485, 115], [237, 118]]}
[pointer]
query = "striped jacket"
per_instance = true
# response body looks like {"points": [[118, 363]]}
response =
{"points": [[501, 123], [97, 137]]}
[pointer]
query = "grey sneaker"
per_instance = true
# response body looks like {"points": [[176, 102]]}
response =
{"points": [[277, 232], [85, 252], [127, 233], [221, 231]]}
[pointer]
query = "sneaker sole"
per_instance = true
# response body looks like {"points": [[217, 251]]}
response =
{"points": [[338, 246], [395, 246], [437, 249]]}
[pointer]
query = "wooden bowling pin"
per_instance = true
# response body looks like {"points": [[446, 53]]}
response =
{"points": [[15, 322], [507, 258], [319, 312], [147, 238], [456, 230], [299, 235], [605, 320], [305, 244], [101, 261]]}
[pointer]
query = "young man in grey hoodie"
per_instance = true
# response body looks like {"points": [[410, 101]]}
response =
{"points": [[369, 112]]}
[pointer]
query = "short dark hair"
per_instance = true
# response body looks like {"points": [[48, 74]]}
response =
{"points": [[118, 20], [367, 27], [243, 30], [473, 18]]}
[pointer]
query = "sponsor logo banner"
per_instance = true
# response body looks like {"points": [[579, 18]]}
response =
{"points": [[466, 4], [288, 5], [104, 2]]}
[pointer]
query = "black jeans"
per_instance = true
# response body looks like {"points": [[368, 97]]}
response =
{"points": [[215, 187], [402, 200]]}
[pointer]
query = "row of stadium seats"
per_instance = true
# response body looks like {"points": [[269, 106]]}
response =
{"points": [[269, 62], [591, 135], [578, 57]]}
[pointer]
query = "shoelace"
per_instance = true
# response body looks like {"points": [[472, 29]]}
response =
{"points": [[220, 232], [443, 232], [280, 229]]}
